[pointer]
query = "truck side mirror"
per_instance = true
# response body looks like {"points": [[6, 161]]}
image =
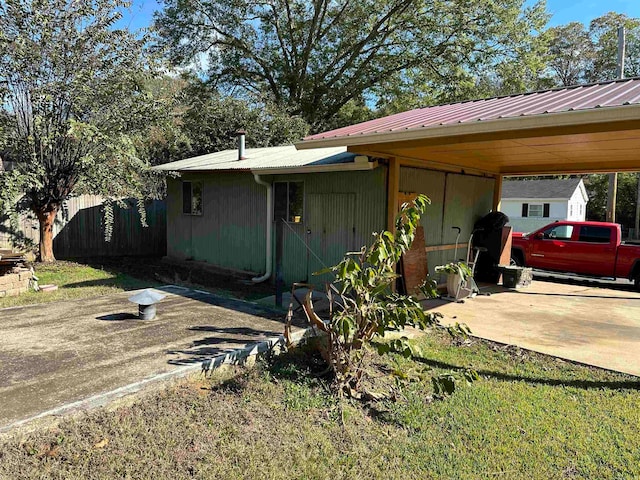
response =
{"points": [[539, 236]]}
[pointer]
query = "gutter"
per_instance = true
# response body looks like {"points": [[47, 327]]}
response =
{"points": [[543, 120], [340, 167], [267, 268]]}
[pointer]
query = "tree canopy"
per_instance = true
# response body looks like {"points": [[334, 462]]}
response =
{"points": [[580, 54], [200, 120], [314, 57], [73, 98]]}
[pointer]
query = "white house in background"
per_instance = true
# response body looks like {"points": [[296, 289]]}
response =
{"points": [[531, 204]]}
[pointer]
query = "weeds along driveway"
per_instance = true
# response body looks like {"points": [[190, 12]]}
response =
{"points": [[57, 353], [577, 321]]}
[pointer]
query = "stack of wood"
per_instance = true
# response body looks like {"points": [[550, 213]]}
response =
{"points": [[10, 259]]}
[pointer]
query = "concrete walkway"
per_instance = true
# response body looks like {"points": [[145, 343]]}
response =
{"points": [[57, 353], [580, 322]]}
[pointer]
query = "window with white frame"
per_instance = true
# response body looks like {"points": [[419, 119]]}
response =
{"points": [[535, 210]]}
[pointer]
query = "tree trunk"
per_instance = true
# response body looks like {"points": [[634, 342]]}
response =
{"points": [[47, 220]]}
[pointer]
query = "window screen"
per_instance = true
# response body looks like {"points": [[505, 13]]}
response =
{"points": [[196, 198], [280, 200], [186, 197], [288, 201], [595, 234], [296, 201], [192, 198]]}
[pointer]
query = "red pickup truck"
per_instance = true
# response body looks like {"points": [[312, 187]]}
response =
{"points": [[586, 248]]}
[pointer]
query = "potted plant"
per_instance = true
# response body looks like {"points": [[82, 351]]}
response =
{"points": [[457, 275]]}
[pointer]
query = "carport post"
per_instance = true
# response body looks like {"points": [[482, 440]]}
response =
{"points": [[497, 193], [393, 188]]}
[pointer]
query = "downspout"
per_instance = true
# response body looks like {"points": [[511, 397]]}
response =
{"points": [[267, 268]]}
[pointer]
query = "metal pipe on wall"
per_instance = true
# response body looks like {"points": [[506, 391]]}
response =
{"points": [[267, 268]]}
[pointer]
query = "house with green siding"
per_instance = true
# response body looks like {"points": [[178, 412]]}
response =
{"points": [[334, 188], [223, 206]]}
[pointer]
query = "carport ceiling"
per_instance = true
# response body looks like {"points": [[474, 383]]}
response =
{"points": [[582, 129]]}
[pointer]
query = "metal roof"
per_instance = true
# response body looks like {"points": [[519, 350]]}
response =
{"points": [[617, 93], [544, 188], [269, 160]]}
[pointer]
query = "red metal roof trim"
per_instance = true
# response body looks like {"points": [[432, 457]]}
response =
{"points": [[581, 97]]}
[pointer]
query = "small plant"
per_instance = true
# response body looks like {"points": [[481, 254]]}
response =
{"points": [[455, 268], [364, 306]]}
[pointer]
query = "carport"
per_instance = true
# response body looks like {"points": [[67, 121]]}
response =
{"points": [[580, 129]]}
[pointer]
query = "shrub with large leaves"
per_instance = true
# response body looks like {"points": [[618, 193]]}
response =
{"points": [[365, 306]]}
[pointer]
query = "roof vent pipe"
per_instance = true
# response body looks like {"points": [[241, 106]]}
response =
{"points": [[241, 134]]}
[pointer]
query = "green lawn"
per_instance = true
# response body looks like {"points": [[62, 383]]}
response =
{"points": [[74, 280], [101, 276], [530, 416]]}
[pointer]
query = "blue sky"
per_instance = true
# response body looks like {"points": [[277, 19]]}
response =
{"points": [[565, 11], [140, 13]]}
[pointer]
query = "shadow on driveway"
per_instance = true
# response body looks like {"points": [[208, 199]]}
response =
{"points": [[68, 351], [204, 348]]}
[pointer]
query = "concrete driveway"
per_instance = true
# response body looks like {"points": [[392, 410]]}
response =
{"points": [[578, 321], [57, 353]]}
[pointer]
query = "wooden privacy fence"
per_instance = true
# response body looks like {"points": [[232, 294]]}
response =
{"points": [[79, 230]]}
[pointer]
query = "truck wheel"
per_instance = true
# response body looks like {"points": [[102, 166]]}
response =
{"points": [[516, 261], [636, 281]]}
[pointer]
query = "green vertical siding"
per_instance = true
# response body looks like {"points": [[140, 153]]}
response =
{"points": [[230, 233], [331, 229], [342, 209], [432, 184], [456, 200]]}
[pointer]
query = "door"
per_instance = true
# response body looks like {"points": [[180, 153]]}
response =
{"points": [[331, 231], [594, 252], [550, 248]]}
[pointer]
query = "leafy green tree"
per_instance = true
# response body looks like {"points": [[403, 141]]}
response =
{"points": [[365, 307], [198, 120], [73, 92], [166, 140], [597, 186], [312, 58], [571, 53], [604, 35], [210, 120]]}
